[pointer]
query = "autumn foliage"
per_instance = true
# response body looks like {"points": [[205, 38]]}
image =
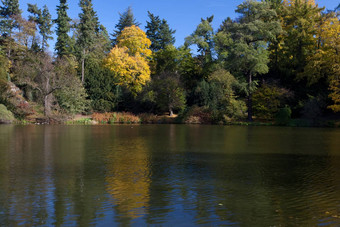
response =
{"points": [[115, 118], [128, 60]]}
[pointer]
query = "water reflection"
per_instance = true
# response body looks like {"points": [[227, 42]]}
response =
{"points": [[128, 178], [169, 175]]}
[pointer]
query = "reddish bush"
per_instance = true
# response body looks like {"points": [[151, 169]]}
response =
{"points": [[112, 118]]}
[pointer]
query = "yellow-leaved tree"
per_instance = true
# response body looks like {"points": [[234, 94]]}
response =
{"points": [[293, 2], [325, 62], [129, 59], [332, 36]]}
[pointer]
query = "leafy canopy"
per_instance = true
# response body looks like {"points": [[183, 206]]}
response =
{"points": [[128, 60]]}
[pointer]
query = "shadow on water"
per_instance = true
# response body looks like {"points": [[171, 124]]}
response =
{"points": [[169, 175]]}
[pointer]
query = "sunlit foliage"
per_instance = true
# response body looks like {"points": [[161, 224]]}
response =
{"points": [[129, 59]]}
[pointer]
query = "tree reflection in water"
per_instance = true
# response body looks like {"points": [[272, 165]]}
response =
{"points": [[168, 175]]}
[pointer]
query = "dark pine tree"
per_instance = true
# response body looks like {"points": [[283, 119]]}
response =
{"points": [[8, 10], [43, 19], [87, 31], [62, 46], [126, 20], [159, 32]]}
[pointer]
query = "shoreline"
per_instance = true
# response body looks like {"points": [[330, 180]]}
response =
{"points": [[163, 119]]}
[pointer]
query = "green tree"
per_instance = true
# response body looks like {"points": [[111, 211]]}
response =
{"points": [[268, 100], [62, 46], [4, 72], [159, 32], [169, 94], [4, 66], [99, 81], [46, 78], [300, 39], [70, 94], [126, 19], [217, 93], [180, 61], [223, 40], [203, 38], [102, 45], [165, 60], [249, 56], [190, 70], [100, 86], [43, 19], [25, 36], [323, 65], [8, 10], [96, 77], [87, 31]]}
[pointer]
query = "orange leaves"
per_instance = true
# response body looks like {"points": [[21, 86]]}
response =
{"points": [[129, 59]]}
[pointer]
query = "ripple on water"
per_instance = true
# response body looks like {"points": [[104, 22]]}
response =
{"points": [[169, 175]]}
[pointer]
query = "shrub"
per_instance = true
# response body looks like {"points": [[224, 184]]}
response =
{"points": [[102, 118], [193, 120], [312, 109], [6, 115], [72, 99], [102, 105], [267, 100], [115, 118], [168, 93], [148, 118], [11, 97], [283, 116], [236, 109], [84, 121], [197, 115]]}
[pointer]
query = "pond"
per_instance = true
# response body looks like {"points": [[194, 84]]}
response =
{"points": [[183, 175]]}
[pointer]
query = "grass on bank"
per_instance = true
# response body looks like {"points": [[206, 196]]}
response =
{"points": [[121, 118]]}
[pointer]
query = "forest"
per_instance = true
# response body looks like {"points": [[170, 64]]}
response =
{"points": [[278, 61]]}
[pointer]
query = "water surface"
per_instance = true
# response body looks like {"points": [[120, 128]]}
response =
{"points": [[169, 175]]}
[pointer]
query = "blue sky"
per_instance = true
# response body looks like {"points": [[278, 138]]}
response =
{"points": [[182, 15]]}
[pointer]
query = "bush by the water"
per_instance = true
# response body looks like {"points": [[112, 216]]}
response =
{"points": [[268, 99], [197, 115], [5, 115], [115, 118], [149, 118], [283, 116]]}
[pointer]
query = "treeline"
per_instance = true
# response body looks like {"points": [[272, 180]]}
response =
{"points": [[278, 59]]}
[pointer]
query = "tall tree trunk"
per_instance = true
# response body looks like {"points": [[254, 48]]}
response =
{"points": [[83, 67], [47, 98], [171, 112], [9, 52], [170, 106], [47, 105], [250, 99]]}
